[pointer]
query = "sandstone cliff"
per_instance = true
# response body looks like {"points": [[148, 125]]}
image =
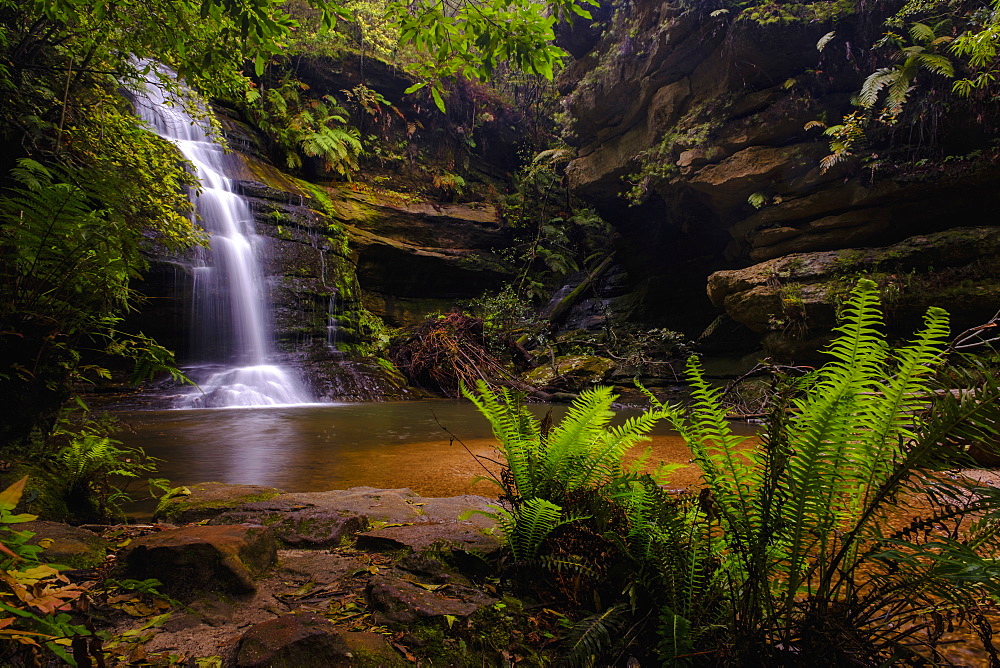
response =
{"points": [[701, 116]]}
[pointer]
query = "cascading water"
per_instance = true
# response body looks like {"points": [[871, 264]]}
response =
{"points": [[231, 316]]}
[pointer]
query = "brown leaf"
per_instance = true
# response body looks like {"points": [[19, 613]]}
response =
{"points": [[404, 651]]}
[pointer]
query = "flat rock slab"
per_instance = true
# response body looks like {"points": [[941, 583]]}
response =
{"points": [[68, 545], [386, 505], [424, 536], [324, 519], [451, 508], [393, 599], [203, 558], [297, 524], [321, 567], [208, 499], [297, 641]]}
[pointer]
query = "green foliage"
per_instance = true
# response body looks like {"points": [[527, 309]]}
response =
{"points": [[527, 527], [795, 547], [297, 125], [768, 12], [926, 44], [81, 481], [463, 40], [556, 233], [71, 241], [450, 185], [806, 544], [574, 508], [581, 453], [923, 53]]}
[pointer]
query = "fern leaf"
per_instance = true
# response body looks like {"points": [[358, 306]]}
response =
{"points": [[592, 637], [921, 32], [874, 84]]}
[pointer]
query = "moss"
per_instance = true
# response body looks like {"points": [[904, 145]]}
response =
{"points": [[271, 176], [774, 12], [207, 499]]}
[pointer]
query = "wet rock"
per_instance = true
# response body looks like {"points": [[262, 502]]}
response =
{"points": [[321, 567], [67, 545], [214, 611], [425, 536], [429, 569], [296, 524], [571, 372], [387, 505], [203, 558], [451, 508], [396, 600], [208, 499], [733, 180], [295, 641]]}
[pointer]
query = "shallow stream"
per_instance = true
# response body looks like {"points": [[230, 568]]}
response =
{"points": [[335, 446]]}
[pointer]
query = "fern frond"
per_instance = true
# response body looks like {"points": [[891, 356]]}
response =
{"points": [[888, 417], [874, 84], [728, 471], [937, 63], [921, 32], [592, 637], [530, 524]]}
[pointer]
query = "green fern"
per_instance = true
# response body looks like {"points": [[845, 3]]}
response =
{"points": [[802, 543], [581, 452], [590, 639], [81, 480], [529, 525]]}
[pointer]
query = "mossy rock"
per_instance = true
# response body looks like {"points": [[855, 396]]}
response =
{"points": [[67, 545], [310, 640], [192, 560], [571, 372], [209, 499]]}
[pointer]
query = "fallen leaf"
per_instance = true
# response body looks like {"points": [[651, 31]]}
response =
{"points": [[404, 651], [430, 587]]}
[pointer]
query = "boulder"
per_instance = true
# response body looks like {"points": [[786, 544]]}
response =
{"points": [[393, 599], [295, 641], [203, 558], [571, 372], [792, 300], [67, 545], [426, 536], [208, 499], [296, 524]]}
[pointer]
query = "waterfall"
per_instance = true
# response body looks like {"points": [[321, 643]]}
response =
{"points": [[231, 318]]}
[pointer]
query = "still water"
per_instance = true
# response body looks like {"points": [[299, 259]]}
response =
{"points": [[322, 447]]}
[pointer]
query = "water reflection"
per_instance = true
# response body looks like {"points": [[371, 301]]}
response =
{"points": [[320, 447]]}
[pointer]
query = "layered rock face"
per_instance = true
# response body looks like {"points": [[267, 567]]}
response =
{"points": [[702, 117]]}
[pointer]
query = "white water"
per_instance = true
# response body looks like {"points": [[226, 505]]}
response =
{"points": [[231, 315]]}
